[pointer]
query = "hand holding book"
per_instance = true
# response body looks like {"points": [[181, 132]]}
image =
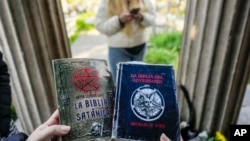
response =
{"points": [[50, 129], [145, 105], [85, 97]]}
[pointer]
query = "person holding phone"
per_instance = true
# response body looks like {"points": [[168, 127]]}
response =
{"points": [[125, 23]]}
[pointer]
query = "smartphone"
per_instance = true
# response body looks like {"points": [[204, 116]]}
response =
{"points": [[134, 10]]}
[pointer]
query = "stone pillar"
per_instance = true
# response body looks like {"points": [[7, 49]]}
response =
{"points": [[34, 33], [215, 61]]}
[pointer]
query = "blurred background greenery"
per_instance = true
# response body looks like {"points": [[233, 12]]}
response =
{"points": [[164, 48]]}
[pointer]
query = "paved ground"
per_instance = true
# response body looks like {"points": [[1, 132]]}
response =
{"points": [[90, 47], [96, 47]]}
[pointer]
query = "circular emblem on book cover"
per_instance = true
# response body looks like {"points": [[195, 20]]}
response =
{"points": [[147, 103], [87, 80]]}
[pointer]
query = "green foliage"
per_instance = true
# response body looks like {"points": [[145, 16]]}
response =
{"points": [[81, 26], [13, 112], [170, 40], [73, 37], [164, 49], [70, 1]]}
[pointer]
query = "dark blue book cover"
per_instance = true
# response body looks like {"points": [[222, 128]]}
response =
{"points": [[146, 103]]}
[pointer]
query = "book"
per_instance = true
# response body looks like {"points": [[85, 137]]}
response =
{"points": [[146, 103], [85, 95]]}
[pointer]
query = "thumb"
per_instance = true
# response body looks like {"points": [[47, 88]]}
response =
{"points": [[55, 130], [49, 132], [164, 137]]}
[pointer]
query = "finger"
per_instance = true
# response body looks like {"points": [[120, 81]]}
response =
{"points": [[182, 139], [138, 16], [164, 137], [54, 130], [129, 19], [41, 127], [54, 118]]}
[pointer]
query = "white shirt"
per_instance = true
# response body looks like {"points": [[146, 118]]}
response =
{"points": [[111, 27]]}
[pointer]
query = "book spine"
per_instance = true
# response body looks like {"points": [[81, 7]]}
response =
{"points": [[117, 102]]}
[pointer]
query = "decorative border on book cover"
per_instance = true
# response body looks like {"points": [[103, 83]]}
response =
{"points": [[85, 94]]}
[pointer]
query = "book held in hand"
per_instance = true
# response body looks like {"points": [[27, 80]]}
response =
{"points": [[146, 103], [85, 95]]}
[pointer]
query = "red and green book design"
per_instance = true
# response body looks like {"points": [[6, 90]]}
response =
{"points": [[85, 95]]}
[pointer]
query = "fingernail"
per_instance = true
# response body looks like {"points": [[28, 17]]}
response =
{"points": [[65, 128]]}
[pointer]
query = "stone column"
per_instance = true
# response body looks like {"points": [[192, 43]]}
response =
{"points": [[34, 34], [215, 61]]}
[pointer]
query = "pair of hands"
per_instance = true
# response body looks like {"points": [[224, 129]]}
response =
{"points": [[50, 130], [126, 17]]}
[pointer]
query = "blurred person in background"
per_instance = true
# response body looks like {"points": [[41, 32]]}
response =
{"points": [[125, 23]]}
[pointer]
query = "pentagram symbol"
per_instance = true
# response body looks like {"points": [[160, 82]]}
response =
{"points": [[87, 80], [147, 103]]}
